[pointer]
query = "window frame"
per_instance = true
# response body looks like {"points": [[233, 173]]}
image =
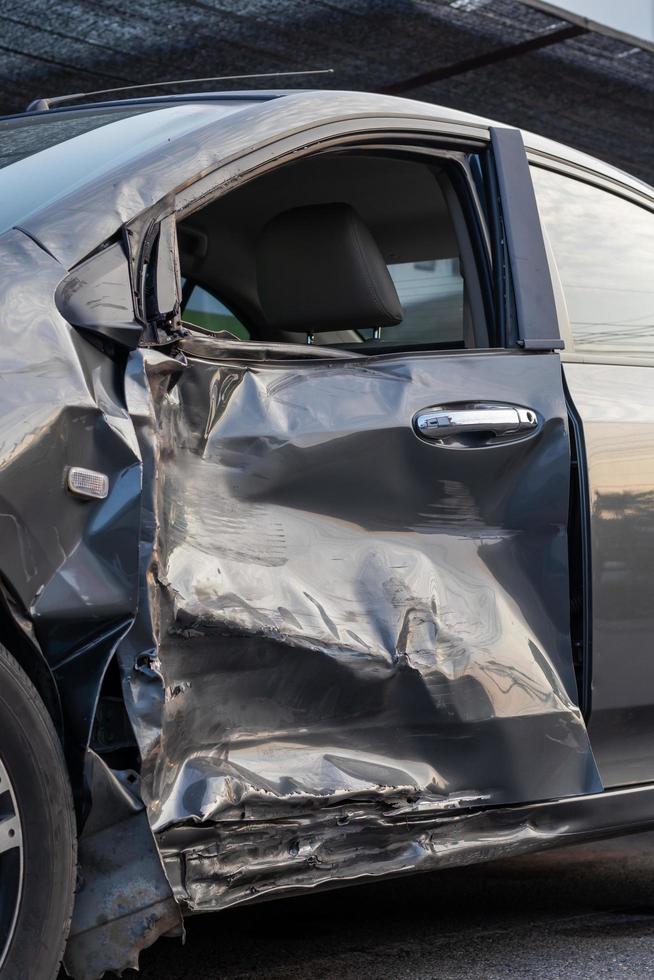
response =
{"points": [[456, 150]]}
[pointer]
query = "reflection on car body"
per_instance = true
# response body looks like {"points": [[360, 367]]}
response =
{"points": [[305, 639]]}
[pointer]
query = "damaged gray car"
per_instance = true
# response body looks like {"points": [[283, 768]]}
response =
{"points": [[327, 506]]}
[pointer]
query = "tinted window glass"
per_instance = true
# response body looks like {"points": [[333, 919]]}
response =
{"points": [[604, 250], [204, 310], [24, 136], [20, 138], [431, 294]]}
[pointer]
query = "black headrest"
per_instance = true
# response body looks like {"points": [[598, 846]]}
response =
{"points": [[320, 269]]}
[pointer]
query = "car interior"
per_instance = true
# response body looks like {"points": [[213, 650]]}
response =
{"points": [[353, 249]]}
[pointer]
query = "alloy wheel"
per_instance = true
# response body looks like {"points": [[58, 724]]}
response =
{"points": [[11, 862]]}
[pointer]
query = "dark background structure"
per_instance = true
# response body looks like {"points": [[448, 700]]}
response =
{"points": [[499, 58]]}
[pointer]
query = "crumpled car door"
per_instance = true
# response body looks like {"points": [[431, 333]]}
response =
{"points": [[360, 573]]}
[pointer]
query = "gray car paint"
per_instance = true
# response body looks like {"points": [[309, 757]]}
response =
{"points": [[616, 405], [70, 567], [332, 628], [182, 143], [140, 575]]}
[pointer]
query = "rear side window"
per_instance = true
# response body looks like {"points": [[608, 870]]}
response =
{"points": [[604, 250]]}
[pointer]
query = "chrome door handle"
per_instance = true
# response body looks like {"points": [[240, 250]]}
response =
{"points": [[493, 420]]}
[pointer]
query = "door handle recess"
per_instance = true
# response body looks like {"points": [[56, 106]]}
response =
{"points": [[484, 423]]}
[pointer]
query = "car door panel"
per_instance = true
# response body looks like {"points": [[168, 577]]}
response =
{"points": [[349, 610], [602, 248], [615, 404]]}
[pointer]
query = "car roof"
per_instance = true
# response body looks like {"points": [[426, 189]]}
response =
{"points": [[254, 95], [241, 98], [205, 128]]}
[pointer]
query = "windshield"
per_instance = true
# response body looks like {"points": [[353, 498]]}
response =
{"points": [[55, 155], [25, 135]]}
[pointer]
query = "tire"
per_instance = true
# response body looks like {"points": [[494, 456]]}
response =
{"points": [[44, 861]]}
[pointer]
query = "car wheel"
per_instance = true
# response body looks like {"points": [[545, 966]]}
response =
{"points": [[37, 833]]}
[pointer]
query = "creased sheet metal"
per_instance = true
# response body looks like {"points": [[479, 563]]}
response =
{"points": [[71, 566], [339, 613], [349, 845], [123, 901], [69, 571]]}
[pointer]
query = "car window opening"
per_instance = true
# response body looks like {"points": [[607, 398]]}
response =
{"points": [[351, 250]]}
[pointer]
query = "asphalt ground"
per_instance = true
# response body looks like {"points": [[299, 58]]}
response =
{"points": [[577, 912]]}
